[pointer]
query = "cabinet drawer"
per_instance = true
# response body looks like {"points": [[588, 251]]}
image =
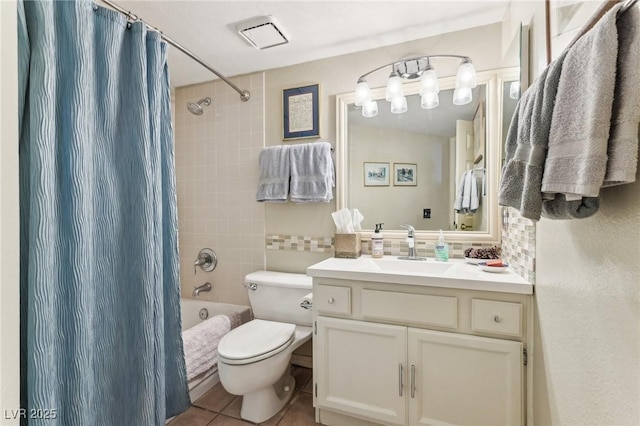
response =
{"points": [[441, 311], [332, 299], [490, 316]]}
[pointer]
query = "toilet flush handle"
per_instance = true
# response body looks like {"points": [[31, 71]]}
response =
{"points": [[250, 286]]}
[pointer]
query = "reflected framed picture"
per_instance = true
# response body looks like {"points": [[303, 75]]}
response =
{"points": [[405, 174], [376, 174], [300, 107]]}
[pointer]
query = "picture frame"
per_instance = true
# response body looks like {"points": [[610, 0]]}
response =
{"points": [[301, 112], [376, 174], [405, 174], [564, 20], [478, 133]]}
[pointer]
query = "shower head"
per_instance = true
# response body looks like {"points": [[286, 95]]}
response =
{"points": [[196, 107]]}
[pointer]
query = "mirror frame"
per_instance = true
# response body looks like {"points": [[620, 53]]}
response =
{"points": [[494, 81]]}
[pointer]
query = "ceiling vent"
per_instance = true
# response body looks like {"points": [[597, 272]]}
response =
{"points": [[262, 32]]}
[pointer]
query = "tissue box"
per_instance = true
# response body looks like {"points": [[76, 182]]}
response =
{"points": [[348, 246]]}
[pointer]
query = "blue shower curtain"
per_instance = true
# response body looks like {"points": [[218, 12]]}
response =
{"points": [[100, 317]]}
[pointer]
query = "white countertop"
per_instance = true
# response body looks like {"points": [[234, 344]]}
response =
{"points": [[461, 275]]}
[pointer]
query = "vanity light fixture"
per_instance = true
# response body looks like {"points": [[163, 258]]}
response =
{"points": [[410, 69]]}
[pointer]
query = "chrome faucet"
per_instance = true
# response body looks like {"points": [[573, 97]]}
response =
{"points": [[202, 288], [411, 243]]}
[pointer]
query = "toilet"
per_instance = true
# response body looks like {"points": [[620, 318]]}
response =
{"points": [[254, 359]]}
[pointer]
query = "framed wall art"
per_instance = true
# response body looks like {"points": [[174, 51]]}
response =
{"points": [[300, 107], [376, 174], [405, 174]]}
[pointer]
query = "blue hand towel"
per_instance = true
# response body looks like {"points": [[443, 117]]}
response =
{"points": [[312, 173], [275, 170]]}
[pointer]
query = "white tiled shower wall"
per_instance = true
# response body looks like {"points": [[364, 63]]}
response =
{"points": [[217, 175]]}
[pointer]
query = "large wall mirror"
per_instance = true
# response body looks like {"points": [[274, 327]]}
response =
{"points": [[406, 168]]}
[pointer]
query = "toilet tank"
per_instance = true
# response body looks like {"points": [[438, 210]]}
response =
{"points": [[277, 295]]}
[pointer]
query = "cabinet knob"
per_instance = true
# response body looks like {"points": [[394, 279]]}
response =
{"points": [[331, 300], [497, 318]]}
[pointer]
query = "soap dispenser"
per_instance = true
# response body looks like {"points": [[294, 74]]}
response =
{"points": [[442, 249], [377, 243]]}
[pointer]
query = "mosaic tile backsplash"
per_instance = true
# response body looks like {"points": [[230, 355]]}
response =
{"points": [[300, 243], [519, 244], [391, 247]]}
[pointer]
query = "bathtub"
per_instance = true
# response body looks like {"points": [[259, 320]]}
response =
{"points": [[191, 310]]}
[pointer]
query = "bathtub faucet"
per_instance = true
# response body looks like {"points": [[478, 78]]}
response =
{"points": [[200, 289]]}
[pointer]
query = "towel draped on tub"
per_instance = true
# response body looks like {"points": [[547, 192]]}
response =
{"points": [[201, 344]]}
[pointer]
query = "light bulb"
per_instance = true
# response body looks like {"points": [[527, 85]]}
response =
{"points": [[399, 105], [514, 90], [363, 93], [429, 82], [394, 86], [429, 100], [370, 109], [466, 76], [462, 96]]}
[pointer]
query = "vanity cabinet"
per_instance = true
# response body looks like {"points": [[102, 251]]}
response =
{"points": [[398, 354]]}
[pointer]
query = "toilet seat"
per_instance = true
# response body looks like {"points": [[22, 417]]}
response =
{"points": [[255, 341]]}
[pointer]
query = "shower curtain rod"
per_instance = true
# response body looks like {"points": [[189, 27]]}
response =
{"points": [[244, 94]]}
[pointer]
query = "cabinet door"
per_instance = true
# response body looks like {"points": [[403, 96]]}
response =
{"points": [[455, 379], [360, 369]]}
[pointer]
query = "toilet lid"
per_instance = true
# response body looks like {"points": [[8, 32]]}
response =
{"points": [[255, 340]]}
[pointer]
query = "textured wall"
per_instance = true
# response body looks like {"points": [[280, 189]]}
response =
{"points": [[587, 294]]}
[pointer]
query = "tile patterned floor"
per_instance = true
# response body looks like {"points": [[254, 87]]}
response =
{"points": [[219, 408]]}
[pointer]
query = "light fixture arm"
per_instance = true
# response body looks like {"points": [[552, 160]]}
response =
{"points": [[428, 58]]}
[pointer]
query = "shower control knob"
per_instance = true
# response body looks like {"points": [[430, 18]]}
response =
{"points": [[331, 300]]}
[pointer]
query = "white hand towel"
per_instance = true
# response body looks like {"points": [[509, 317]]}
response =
{"points": [[473, 198], [467, 200], [457, 205], [312, 173], [275, 171]]}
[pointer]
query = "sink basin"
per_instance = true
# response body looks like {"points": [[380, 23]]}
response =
{"points": [[412, 266]]}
